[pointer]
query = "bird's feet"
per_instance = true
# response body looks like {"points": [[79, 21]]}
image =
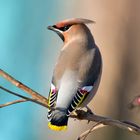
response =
{"points": [[81, 112], [89, 111]]}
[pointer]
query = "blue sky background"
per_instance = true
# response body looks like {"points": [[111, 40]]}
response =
{"points": [[25, 54]]}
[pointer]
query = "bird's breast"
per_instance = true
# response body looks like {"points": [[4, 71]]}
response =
{"points": [[67, 61]]}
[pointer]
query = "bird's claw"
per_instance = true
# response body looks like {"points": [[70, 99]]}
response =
{"points": [[89, 111]]}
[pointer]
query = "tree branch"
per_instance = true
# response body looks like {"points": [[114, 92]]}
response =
{"points": [[80, 114], [13, 102], [20, 85], [104, 121], [24, 97], [84, 135]]}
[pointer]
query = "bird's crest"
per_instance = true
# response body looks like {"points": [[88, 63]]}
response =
{"points": [[73, 21]]}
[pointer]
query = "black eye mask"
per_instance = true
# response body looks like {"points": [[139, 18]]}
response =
{"points": [[65, 28]]}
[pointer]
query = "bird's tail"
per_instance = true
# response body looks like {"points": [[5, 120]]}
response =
{"points": [[58, 120]]}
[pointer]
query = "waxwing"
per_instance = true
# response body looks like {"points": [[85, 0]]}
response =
{"points": [[77, 71]]}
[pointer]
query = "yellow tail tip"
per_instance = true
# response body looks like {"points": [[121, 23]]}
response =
{"points": [[56, 128]]}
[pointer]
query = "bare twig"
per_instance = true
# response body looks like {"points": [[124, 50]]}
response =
{"points": [[24, 97], [13, 102], [84, 135], [126, 125], [20, 85]]}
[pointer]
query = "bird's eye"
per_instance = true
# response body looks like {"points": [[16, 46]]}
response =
{"points": [[65, 28]]}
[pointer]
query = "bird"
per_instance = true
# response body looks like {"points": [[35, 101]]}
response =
{"points": [[77, 72]]}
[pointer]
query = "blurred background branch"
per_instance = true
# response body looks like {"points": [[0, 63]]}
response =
{"points": [[135, 103]]}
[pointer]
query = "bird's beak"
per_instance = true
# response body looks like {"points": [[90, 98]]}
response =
{"points": [[60, 33], [51, 28]]}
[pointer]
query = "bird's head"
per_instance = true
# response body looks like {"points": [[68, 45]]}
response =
{"points": [[70, 27]]}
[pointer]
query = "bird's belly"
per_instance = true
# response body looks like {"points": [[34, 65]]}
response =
{"points": [[67, 90]]}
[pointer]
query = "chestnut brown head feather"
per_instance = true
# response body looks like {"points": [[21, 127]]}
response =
{"points": [[62, 27], [73, 21]]}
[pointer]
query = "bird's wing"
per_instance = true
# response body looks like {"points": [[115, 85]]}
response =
{"points": [[89, 73], [90, 67], [79, 97], [52, 99]]}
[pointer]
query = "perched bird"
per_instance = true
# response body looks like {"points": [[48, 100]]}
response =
{"points": [[77, 71]]}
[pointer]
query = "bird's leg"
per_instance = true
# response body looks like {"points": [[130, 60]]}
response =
{"points": [[80, 112], [74, 113], [89, 111], [77, 112]]}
